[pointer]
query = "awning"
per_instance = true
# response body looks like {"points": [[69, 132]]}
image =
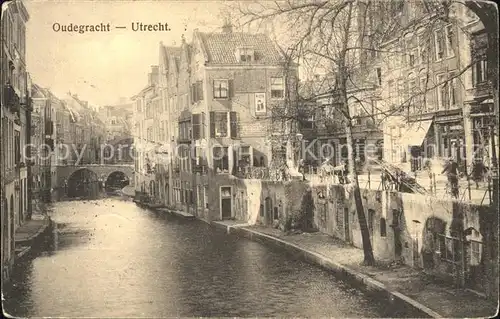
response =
{"points": [[488, 101], [415, 133]]}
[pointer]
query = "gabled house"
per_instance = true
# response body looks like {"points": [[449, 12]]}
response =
{"points": [[218, 94]]}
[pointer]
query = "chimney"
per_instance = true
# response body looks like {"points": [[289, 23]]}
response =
{"points": [[227, 27], [153, 76]]}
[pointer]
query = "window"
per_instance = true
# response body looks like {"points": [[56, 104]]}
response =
{"points": [[245, 156], [260, 103], [199, 198], [442, 92], [221, 88], [413, 90], [452, 85], [17, 147], [423, 49], [425, 90], [308, 122], [277, 88], [196, 120], [221, 159], [439, 44], [205, 196], [219, 124], [197, 91], [449, 40], [412, 48], [383, 227], [246, 54], [185, 130], [233, 120], [225, 191], [479, 72]]}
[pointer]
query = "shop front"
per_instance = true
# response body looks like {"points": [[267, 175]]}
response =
{"points": [[418, 142], [450, 135], [482, 129]]}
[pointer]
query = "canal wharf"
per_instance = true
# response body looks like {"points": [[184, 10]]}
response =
{"points": [[177, 213], [402, 286], [160, 208], [27, 236]]}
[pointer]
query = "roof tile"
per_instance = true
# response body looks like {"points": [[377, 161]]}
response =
{"points": [[221, 47]]}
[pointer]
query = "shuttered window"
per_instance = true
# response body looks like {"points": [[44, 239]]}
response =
{"points": [[197, 91], [199, 86], [234, 124], [203, 125], [212, 124], [193, 93], [277, 88], [196, 126]]}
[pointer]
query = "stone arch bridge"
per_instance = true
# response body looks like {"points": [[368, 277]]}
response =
{"points": [[93, 173]]}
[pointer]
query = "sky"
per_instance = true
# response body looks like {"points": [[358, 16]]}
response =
{"points": [[101, 67]]}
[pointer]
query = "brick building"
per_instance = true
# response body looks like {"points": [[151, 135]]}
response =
{"points": [[430, 78], [145, 133], [15, 117], [89, 130], [479, 103], [217, 96], [322, 122], [118, 122], [43, 137]]}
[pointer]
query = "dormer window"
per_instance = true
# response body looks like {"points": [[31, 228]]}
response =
{"points": [[245, 54]]}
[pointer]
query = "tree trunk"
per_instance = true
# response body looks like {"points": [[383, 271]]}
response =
{"points": [[369, 259], [342, 88]]}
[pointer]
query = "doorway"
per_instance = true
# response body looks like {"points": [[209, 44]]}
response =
{"points": [[269, 210], [226, 202], [396, 225]]}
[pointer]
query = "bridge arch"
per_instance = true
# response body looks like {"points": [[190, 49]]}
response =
{"points": [[83, 183], [116, 180]]}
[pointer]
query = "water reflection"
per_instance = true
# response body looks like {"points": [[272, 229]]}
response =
{"points": [[109, 258]]}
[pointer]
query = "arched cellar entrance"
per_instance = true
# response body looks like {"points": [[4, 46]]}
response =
{"points": [[83, 183], [116, 180]]}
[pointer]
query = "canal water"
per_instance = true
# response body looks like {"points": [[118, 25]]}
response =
{"points": [[110, 258]]}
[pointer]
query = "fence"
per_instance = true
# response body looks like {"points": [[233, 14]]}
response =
{"points": [[430, 183], [463, 257], [450, 250]]}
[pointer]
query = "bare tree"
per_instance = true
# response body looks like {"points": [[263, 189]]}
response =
{"points": [[347, 40]]}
